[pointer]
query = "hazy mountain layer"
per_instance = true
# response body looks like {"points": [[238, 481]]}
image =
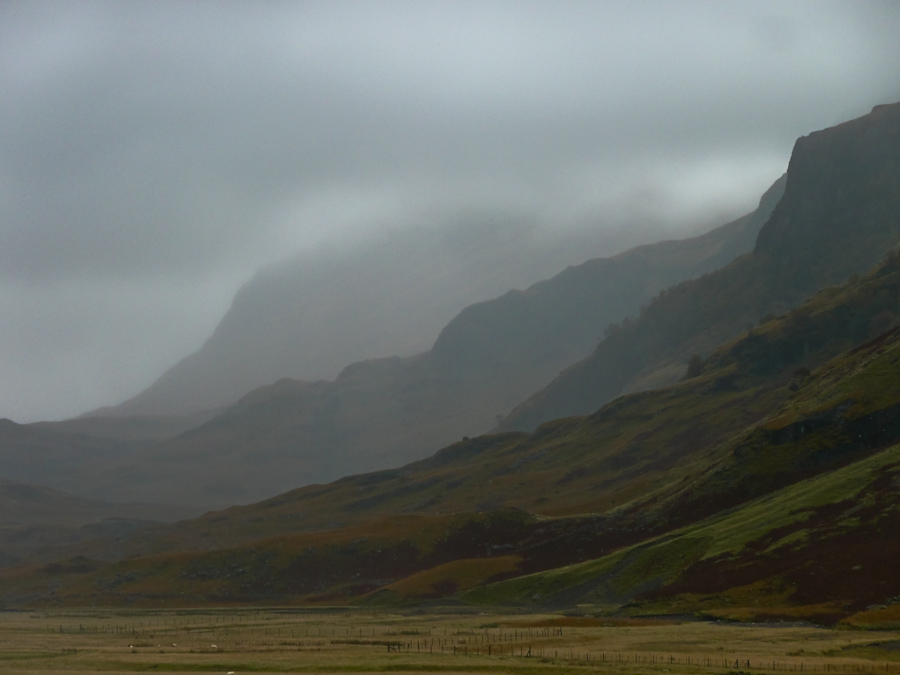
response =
{"points": [[387, 412], [560, 319], [839, 214], [310, 317], [752, 490], [760, 486], [56, 453], [376, 414]]}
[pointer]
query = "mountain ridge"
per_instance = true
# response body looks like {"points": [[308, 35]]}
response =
{"points": [[843, 183], [309, 317], [761, 485], [386, 412], [615, 507]]}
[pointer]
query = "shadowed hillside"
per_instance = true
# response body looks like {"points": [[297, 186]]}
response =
{"points": [[387, 412], [637, 439], [34, 519], [769, 466], [687, 498], [55, 454], [839, 214], [310, 317]]}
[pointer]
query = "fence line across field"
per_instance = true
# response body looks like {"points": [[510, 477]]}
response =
{"points": [[248, 631]]}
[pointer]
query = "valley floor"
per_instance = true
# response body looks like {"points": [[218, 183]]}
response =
{"points": [[340, 640]]}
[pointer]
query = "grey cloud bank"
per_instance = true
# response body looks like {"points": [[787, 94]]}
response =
{"points": [[155, 155]]}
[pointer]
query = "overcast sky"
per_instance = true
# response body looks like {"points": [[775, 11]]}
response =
{"points": [[154, 155]]}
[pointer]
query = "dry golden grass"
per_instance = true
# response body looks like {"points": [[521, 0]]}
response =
{"points": [[355, 641]]}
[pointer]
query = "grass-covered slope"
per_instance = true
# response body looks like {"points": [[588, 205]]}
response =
{"points": [[824, 548], [679, 499], [840, 212], [645, 443]]}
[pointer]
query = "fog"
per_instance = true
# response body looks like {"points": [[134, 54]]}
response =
{"points": [[155, 156]]}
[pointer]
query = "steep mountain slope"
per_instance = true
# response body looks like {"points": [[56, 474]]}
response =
{"points": [[601, 462], [839, 214], [659, 491], [821, 548], [560, 319], [309, 317], [387, 412], [755, 487]]}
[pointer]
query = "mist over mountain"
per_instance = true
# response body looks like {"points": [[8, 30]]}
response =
{"points": [[559, 319], [754, 488], [838, 216], [311, 316], [155, 156], [754, 474], [385, 412], [380, 413]]}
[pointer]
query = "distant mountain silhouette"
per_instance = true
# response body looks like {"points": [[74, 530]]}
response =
{"points": [[560, 319], [386, 412], [34, 519], [754, 487], [309, 317]]}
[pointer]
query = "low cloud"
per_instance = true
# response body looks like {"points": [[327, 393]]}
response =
{"points": [[155, 155]]}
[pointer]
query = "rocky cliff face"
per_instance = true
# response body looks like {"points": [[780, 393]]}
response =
{"points": [[842, 199], [839, 215]]}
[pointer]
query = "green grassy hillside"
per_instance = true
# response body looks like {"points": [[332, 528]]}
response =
{"points": [[823, 548], [704, 496]]}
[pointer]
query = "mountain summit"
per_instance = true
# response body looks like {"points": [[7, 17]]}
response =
{"points": [[839, 214]]}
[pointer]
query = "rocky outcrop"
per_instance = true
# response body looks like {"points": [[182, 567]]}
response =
{"points": [[842, 200]]}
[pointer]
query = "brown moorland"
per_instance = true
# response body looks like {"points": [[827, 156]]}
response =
{"points": [[745, 427]]}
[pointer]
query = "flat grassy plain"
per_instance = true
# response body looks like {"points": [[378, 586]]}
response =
{"points": [[290, 640]]}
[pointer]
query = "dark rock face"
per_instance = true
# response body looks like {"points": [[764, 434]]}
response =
{"points": [[842, 199], [840, 215]]}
